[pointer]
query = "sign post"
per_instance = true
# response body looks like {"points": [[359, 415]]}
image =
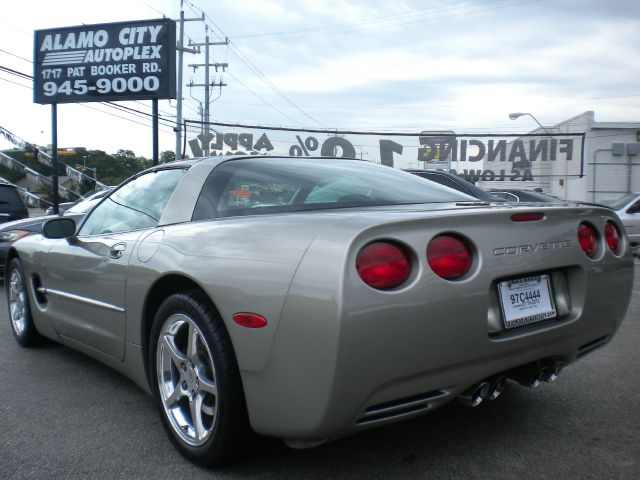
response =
{"points": [[54, 156], [154, 121], [105, 62]]}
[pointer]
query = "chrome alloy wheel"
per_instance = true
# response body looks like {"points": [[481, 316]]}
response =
{"points": [[17, 302], [187, 379]]}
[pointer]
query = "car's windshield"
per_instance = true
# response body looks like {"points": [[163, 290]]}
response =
{"points": [[271, 185], [621, 202], [82, 207], [86, 204]]}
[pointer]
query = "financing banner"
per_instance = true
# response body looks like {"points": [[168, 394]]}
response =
{"points": [[485, 157]]}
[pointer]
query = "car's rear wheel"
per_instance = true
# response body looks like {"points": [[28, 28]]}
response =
{"points": [[20, 317], [196, 380]]}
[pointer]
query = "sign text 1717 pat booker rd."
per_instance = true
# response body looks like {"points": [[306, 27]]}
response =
{"points": [[105, 62]]}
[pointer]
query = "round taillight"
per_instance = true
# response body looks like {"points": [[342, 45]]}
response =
{"points": [[588, 239], [612, 235], [448, 256], [383, 265]]}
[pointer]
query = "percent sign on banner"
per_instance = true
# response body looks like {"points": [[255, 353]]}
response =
{"points": [[329, 147]]}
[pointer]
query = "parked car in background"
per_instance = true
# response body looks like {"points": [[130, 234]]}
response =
{"points": [[515, 195], [12, 231], [64, 206], [454, 181], [628, 210], [12, 206], [312, 298]]}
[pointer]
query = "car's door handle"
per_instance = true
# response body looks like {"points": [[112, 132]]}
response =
{"points": [[117, 250]]}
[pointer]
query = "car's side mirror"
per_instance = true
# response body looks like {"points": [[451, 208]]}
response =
{"points": [[59, 228]]}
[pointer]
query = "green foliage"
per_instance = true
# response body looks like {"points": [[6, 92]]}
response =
{"points": [[29, 159], [167, 156], [111, 169], [10, 174]]}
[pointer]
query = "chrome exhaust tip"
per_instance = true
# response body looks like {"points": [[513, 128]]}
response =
{"points": [[531, 375], [497, 387], [475, 395], [554, 372], [542, 375]]}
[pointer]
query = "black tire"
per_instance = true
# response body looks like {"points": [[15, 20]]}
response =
{"points": [[220, 430], [20, 319]]}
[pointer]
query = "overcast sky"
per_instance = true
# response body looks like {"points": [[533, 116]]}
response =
{"points": [[355, 64]]}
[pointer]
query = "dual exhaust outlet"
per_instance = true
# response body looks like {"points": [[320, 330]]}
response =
{"points": [[531, 375]]}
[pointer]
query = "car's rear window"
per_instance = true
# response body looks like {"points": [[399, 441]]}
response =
{"points": [[272, 185], [9, 195]]}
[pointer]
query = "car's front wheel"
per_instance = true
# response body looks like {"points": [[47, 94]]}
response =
{"points": [[24, 330], [196, 380]]}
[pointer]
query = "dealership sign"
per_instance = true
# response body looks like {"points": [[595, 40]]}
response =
{"points": [[105, 62]]}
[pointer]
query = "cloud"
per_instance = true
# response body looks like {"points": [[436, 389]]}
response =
{"points": [[359, 64]]}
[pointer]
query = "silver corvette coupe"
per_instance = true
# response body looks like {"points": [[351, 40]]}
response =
{"points": [[309, 299]]}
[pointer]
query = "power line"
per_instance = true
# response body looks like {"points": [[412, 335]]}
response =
{"points": [[353, 27], [242, 84], [166, 114], [244, 59], [259, 97], [417, 105], [121, 117], [15, 72], [152, 8], [17, 56], [15, 83], [378, 19], [123, 108]]}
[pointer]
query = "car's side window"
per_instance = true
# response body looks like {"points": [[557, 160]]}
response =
{"points": [[136, 205]]}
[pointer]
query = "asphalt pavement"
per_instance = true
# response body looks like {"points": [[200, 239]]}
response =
{"points": [[65, 416]]}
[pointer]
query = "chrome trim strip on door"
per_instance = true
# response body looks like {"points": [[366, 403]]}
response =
{"points": [[78, 298]]}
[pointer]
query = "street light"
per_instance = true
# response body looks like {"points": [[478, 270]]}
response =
{"points": [[85, 168], [513, 116]]}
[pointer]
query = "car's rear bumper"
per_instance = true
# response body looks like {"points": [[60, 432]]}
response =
{"points": [[330, 376]]}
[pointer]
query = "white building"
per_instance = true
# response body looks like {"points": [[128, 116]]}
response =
{"points": [[611, 162]]}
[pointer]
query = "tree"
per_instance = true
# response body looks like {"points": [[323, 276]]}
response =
{"points": [[167, 156]]}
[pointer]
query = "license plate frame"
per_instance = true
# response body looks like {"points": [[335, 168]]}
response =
{"points": [[526, 300]]}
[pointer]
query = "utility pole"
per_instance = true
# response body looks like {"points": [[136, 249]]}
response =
{"points": [[207, 84], [181, 49]]}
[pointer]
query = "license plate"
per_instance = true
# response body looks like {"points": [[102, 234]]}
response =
{"points": [[526, 300]]}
